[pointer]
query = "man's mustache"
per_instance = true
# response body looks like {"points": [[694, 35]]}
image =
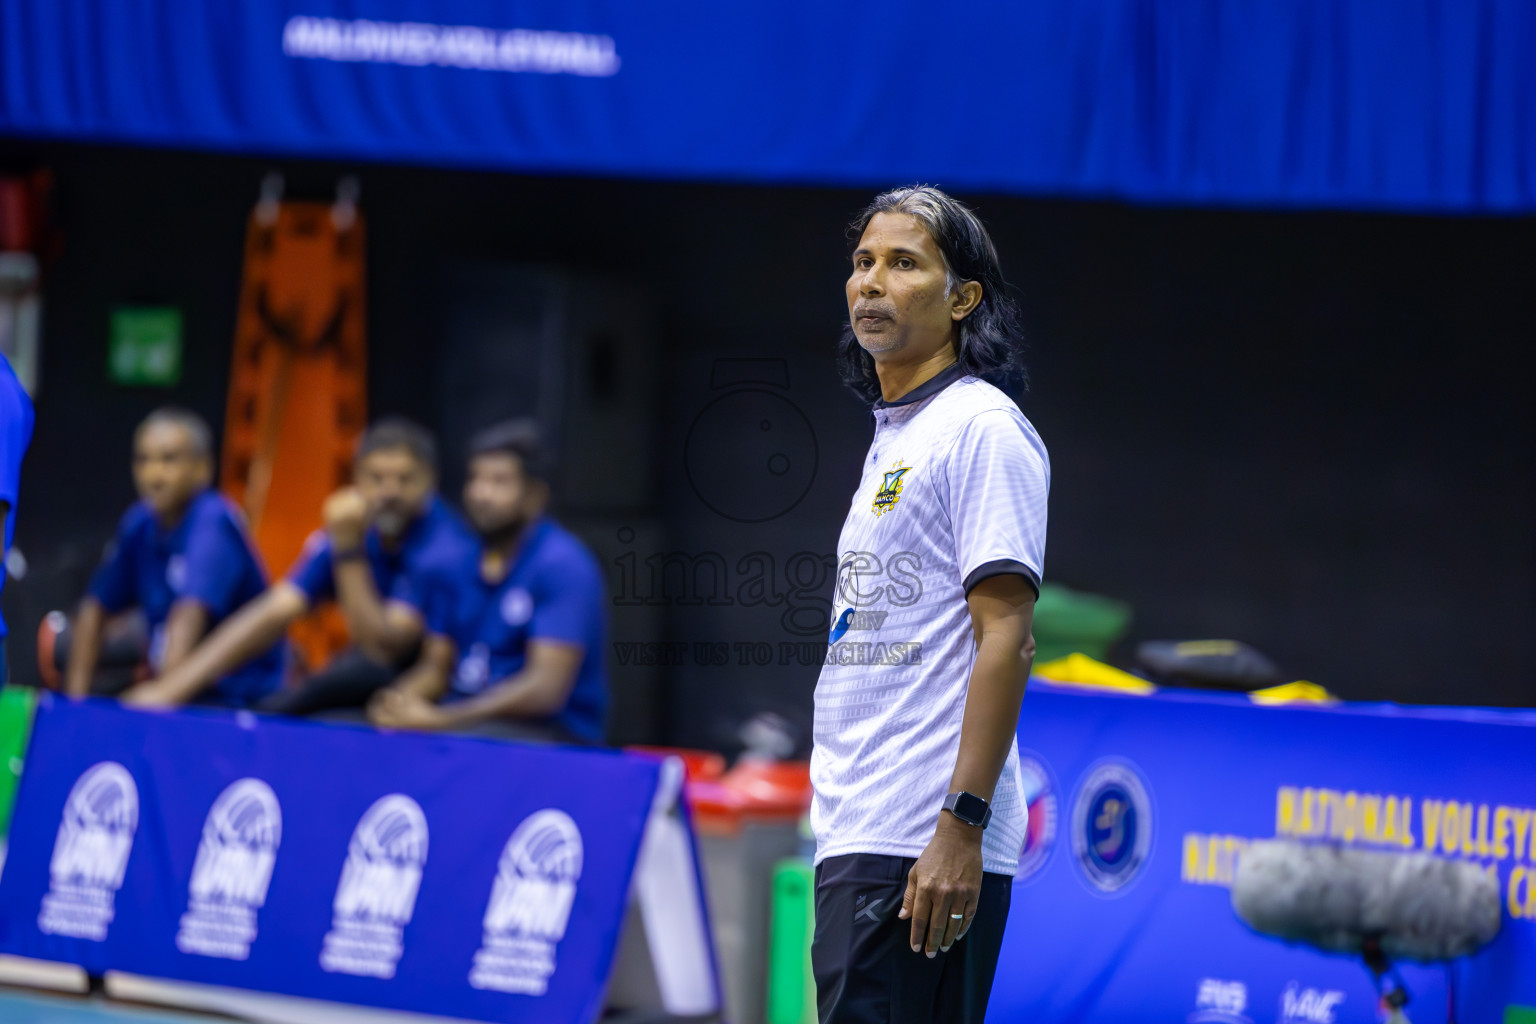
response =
{"points": [[882, 309]]}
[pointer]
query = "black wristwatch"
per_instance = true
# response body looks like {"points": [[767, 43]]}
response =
{"points": [[349, 554], [969, 808]]}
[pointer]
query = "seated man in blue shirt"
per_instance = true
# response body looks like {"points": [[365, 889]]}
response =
{"points": [[16, 418], [516, 639], [183, 557], [379, 534]]}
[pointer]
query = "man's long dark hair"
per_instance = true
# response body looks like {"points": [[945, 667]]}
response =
{"points": [[991, 339]]}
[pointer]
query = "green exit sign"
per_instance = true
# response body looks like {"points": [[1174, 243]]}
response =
{"points": [[145, 346]]}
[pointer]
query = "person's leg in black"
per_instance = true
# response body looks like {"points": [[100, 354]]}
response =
{"points": [[971, 963], [122, 654], [862, 958], [861, 955], [349, 681]]}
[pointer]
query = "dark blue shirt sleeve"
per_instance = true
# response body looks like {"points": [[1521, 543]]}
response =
{"points": [[312, 572], [567, 603], [112, 584], [217, 561], [15, 435]]}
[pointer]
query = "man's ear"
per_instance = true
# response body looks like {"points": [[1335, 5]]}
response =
{"points": [[964, 300]]}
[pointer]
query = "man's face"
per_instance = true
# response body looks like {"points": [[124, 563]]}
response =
{"points": [[167, 469], [396, 486], [498, 496], [898, 299]]}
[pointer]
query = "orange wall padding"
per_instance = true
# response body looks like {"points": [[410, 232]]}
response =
{"points": [[298, 381]]}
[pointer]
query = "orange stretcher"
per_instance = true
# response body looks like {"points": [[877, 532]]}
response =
{"points": [[298, 382]]}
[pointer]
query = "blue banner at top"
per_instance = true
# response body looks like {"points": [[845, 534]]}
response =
{"points": [[1350, 103]]}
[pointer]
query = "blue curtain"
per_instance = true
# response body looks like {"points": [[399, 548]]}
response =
{"points": [[1397, 104]]}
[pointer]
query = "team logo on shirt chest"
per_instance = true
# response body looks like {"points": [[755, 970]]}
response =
{"points": [[890, 489]]}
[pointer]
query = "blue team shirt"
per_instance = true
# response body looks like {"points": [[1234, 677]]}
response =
{"points": [[553, 591], [207, 557], [16, 418], [437, 540]]}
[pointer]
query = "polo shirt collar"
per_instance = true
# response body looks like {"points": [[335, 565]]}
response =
{"points": [[527, 544], [927, 389]]}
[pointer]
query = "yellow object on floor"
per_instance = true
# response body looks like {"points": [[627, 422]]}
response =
{"points": [[1299, 692], [1080, 670]]}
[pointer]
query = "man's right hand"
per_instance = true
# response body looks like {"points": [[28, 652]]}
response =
{"points": [[346, 519]]}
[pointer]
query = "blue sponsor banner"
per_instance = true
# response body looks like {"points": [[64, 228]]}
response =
{"points": [[1351, 103], [440, 875], [1141, 806]]}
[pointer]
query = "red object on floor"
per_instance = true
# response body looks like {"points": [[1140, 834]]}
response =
{"points": [[697, 764], [771, 788]]}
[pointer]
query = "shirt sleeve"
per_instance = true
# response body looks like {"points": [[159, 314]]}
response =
{"points": [[568, 603], [15, 435], [312, 572], [112, 584], [999, 477], [217, 561]]}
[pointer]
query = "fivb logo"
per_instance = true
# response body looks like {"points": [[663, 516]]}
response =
{"points": [[530, 905], [90, 854], [232, 871], [377, 893]]}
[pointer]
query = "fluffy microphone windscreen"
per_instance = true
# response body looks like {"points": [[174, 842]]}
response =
{"points": [[1420, 907]]}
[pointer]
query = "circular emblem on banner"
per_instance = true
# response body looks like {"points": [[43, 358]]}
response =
{"points": [[516, 606], [1112, 825], [1040, 796]]}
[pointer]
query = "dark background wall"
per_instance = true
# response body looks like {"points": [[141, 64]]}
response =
{"points": [[1309, 431]]}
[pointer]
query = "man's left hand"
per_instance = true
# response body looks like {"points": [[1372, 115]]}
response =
{"points": [[945, 881], [401, 709]]}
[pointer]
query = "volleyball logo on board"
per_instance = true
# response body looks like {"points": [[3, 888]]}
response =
{"points": [[530, 905], [1112, 825], [90, 854], [1040, 796], [232, 872], [376, 896]]}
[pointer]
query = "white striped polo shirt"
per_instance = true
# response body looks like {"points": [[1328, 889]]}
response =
{"points": [[953, 490]]}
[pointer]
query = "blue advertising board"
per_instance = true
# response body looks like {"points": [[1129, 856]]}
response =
{"points": [[456, 877], [1141, 806], [1351, 103]]}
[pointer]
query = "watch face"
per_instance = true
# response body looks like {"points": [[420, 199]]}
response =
{"points": [[970, 808]]}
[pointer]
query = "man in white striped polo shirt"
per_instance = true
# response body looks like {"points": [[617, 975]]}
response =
{"points": [[919, 812]]}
